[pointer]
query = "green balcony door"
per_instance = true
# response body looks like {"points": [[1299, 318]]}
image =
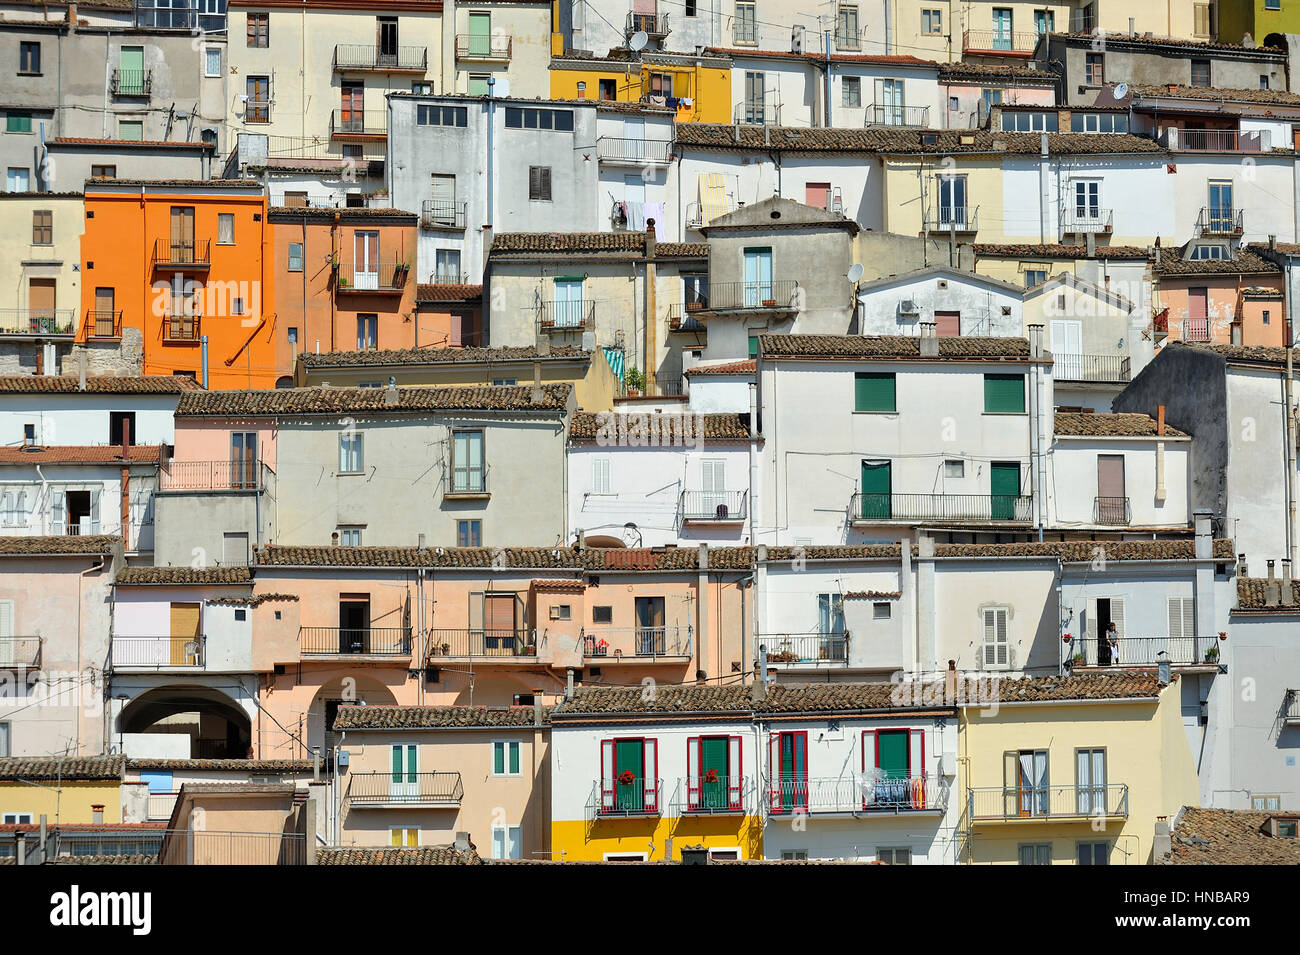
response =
{"points": [[1004, 484], [131, 71], [876, 489], [713, 756], [480, 34], [629, 756], [794, 770], [891, 753]]}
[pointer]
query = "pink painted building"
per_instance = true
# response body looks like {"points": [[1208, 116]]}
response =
{"points": [[1236, 299]]}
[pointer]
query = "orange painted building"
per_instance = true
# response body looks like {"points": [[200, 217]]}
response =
{"points": [[344, 281], [450, 315], [1234, 300], [176, 261]]}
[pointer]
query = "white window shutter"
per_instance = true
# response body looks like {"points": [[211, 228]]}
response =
{"points": [[6, 618], [56, 512], [94, 511], [1189, 617], [1117, 614]]}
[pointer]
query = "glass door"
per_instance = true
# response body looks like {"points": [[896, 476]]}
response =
{"points": [[758, 277], [1002, 38], [365, 272], [1221, 215], [1033, 784], [404, 783]]}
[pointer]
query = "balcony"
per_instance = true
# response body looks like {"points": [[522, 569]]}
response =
{"points": [[1111, 510], [157, 652], [810, 649], [181, 329], [1145, 651], [567, 315], [404, 791], [998, 41], [387, 276], [443, 214], [21, 652], [1216, 140], [684, 318], [1047, 804], [38, 322], [355, 641], [482, 644], [257, 111], [1098, 368], [131, 83], [652, 25], [744, 32], [635, 796], [714, 507], [637, 644], [967, 508], [713, 795], [358, 124], [1086, 222], [857, 795], [878, 115], [182, 254], [480, 48], [159, 806], [1219, 220], [356, 58], [757, 114], [1291, 708], [777, 298], [212, 476], [701, 214], [104, 324], [962, 220], [1196, 330], [622, 151]]}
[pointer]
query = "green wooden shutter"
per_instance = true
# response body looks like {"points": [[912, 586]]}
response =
{"points": [[874, 391], [514, 758], [411, 767], [891, 753], [397, 764], [498, 759], [1004, 394], [876, 487], [1004, 484]]}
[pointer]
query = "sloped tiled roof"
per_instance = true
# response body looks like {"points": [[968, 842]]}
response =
{"points": [[660, 429], [302, 401], [1147, 39], [435, 717], [1252, 597], [1218, 94], [866, 58], [1082, 551], [1229, 837], [81, 454], [873, 595], [67, 545], [252, 766], [746, 366], [1110, 425], [73, 767], [890, 347], [414, 855], [1027, 250], [436, 292], [905, 141], [441, 356], [184, 574], [100, 384], [585, 243], [1171, 262], [545, 558], [992, 71], [131, 143], [1251, 354]]}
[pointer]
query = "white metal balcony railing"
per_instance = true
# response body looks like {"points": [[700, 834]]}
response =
{"points": [[714, 506], [157, 652], [758, 113], [857, 793], [889, 115], [1144, 651], [701, 214], [713, 794], [404, 789], [819, 649], [639, 643], [1217, 140], [1046, 803], [626, 795], [954, 219], [22, 652], [213, 476], [1072, 366], [638, 152], [1291, 707], [866, 508], [1219, 220], [159, 806], [1095, 221], [443, 214]]}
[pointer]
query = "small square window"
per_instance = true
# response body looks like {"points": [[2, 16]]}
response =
{"points": [[469, 533], [794, 855], [561, 612], [130, 129], [602, 614], [241, 614], [103, 172], [349, 536], [1286, 828], [881, 611], [954, 469], [505, 757]]}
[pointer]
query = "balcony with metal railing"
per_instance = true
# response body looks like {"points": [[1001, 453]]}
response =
{"points": [[806, 649], [744, 32], [213, 476], [499, 645], [714, 507], [1143, 652], [625, 795], [1070, 366], [395, 790], [957, 219], [626, 151], [702, 213], [159, 806], [1196, 330], [1219, 220], [358, 124], [998, 41], [181, 329], [101, 323], [1216, 140], [1075, 221], [857, 795], [567, 315], [182, 254], [360, 58], [388, 275], [653, 25], [22, 652], [1047, 803], [157, 652], [1111, 510], [882, 115], [392, 642], [756, 113], [686, 318], [872, 508], [137, 83], [257, 111], [777, 297], [711, 794], [637, 644], [443, 214], [38, 322], [484, 47], [1291, 708]]}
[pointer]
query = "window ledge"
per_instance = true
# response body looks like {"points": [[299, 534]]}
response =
{"points": [[348, 473], [466, 496], [860, 411]]}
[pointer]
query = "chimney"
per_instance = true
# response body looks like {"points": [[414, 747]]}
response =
{"points": [[759, 693], [1272, 243], [1035, 341], [1163, 843], [649, 238], [97, 814], [568, 684], [1132, 26], [1162, 669], [334, 539], [462, 842], [1241, 566], [929, 341], [950, 683], [390, 393], [81, 366], [1091, 243], [537, 707], [1286, 593], [1272, 593], [72, 18], [536, 396], [1204, 534], [1160, 419]]}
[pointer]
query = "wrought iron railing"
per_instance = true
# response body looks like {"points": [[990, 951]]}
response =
{"points": [[1219, 220], [567, 314], [1144, 651], [815, 648], [780, 294], [409, 789], [482, 642], [655, 25], [954, 219], [212, 476], [23, 652], [639, 642], [389, 275], [629, 150], [887, 115], [1111, 510], [637, 796], [999, 41], [357, 122], [1081, 223], [941, 507], [1218, 140], [686, 318], [375, 641], [712, 794], [857, 793], [157, 652], [485, 47], [1291, 708], [701, 214], [1046, 802], [131, 82], [37, 321], [182, 253], [1068, 366], [714, 505], [443, 214], [257, 111], [1196, 329], [754, 113], [181, 328], [358, 57]]}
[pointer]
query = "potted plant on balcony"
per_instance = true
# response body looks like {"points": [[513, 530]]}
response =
{"points": [[600, 648], [343, 281], [769, 303], [626, 777], [694, 306], [1212, 655], [1077, 660], [635, 381], [710, 776]]}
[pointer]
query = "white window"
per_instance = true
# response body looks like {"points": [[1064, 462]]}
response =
{"points": [[954, 469], [505, 757], [212, 61], [351, 456], [996, 653], [881, 611], [4, 739], [1265, 803], [600, 477], [851, 91], [468, 473], [505, 381], [506, 842], [794, 855], [19, 180], [350, 535], [1087, 199], [931, 21], [225, 228], [17, 819], [1182, 617]]}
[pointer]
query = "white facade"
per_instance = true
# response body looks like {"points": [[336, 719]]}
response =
{"points": [[83, 418], [1156, 475], [719, 392], [77, 499], [975, 304], [633, 150], [142, 626]]}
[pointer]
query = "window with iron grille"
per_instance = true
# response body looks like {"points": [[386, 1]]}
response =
{"points": [[1200, 72], [746, 23]]}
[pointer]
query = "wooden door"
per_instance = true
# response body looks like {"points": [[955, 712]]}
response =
{"points": [[365, 271], [184, 632], [40, 305], [182, 238], [1004, 485], [1110, 489]]}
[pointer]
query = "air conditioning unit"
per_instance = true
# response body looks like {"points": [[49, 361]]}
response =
{"points": [[909, 307]]}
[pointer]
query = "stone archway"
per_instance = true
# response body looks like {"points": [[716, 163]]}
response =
{"points": [[217, 727], [342, 690]]}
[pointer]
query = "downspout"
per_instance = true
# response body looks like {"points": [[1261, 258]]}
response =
{"points": [[753, 460], [334, 260], [826, 37], [491, 138], [98, 565], [1289, 426]]}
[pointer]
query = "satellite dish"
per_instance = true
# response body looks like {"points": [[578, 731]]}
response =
{"points": [[855, 272], [1121, 90], [639, 39]]}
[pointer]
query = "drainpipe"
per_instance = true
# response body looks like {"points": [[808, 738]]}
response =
{"points": [[203, 358], [491, 140], [334, 259], [1289, 416], [753, 459], [826, 37], [98, 565], [124, 487], [702, 611]]}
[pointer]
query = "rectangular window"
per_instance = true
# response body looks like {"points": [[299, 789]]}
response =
{"points": [[600, 477], [257, 107], [225, 228], [602, 614], [1004, 394], [830, 614], [995, 649], [259, 30], [954, 469], [29, 58], [952, 201], [505, 758], [1265, 803], [349, 535], [1094, 73], [539, 183], [519, 117], [469, 533], [1090, 781], [400, 836], [212, 61], [881, 611], [130, 129], [1200, 72], [794, 855], [43, 228], [103, 172], [629, 775], [1035, 277], [874, 391], [506, 842], [4, 740], [442, 116], [422, 89], [851, 91], [788, 755], [894, 856], [17, 819], [756, 97], [367, 332], [931, 22], [18, 122], [446, 266], [1038, 853], [1094, 853], [1182, 622], [847, 34], [18, 180], [1044, 22], [468, 472], [746, 24], [295, 256], [351, 455]]}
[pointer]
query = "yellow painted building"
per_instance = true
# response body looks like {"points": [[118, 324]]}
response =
{"points": [[39, 253], [700, 86], [1075, 771], [940, 195], [66, 790]]}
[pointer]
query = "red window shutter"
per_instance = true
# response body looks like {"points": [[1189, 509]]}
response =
{"points": [[651, 775], [735, 772], [774, 771], [607, 774], [693, 760]]}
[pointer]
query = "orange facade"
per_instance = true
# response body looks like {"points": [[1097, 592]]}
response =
{"points": [[345, 280], [177, 261]]}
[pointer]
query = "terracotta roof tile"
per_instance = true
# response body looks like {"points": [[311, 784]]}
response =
{"points": [[889, 347], [184, 574], [257, 766], [441, 356], [1110, 425], [1171, 262], [543, 558], [99, 384], [130, 143], [574, 586], [747, 366], [1252, 597], [949, 72], [421, 855], [1217, 94], [68, 545], [1229, 837], [303, 401], [1028, 250], [1082, 551], [873, 595], [626, 243], [658, 430], [81, 454], [435, 717], [1146, 39], [346, 213], [1251, 354], [73, 767], [905, 141], [883, 59], [436, 292]]}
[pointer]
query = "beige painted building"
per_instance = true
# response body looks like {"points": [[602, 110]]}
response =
{"points": [[952, 30], [509, 40], [422, 775], [39, 253]]}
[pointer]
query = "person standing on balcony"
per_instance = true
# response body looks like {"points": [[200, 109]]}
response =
{"points": [[1112, 644]]}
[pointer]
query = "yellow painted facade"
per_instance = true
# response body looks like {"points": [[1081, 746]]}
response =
{"points": [[708, 87], [1146, 752], [912, 188], [968, 26], [647, 836], [70, 801]]}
